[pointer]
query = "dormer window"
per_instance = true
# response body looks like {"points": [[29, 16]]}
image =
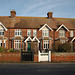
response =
{"points": [[1, 32], [61, 33], [34, 32], [18, 32], [28, 32], [45, 33]]}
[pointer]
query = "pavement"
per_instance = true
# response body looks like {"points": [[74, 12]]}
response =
{"points": [[37, 68]]}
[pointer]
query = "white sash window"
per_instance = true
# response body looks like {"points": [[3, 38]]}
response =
{"points": [[46, 44], [17, 44], [34, 32], [71, 33], [1, 32], [1, 43], [18, 32], [61, 33], [28, 32], [45, 33]]}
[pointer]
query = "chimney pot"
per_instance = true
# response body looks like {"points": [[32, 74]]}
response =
{"points": [[50, 15], [13, 13]]}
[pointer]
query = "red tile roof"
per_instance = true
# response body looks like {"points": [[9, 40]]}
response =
{"points": [[36, 22]]}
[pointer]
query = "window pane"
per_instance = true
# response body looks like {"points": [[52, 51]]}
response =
{"points": [[61, 33], [28, 32], [18, 32], [45, 33]]}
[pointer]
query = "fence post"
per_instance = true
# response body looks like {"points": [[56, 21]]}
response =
{"points": [[49, 56], [39, 56]]}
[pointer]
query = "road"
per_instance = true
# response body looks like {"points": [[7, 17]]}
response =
{"points": [[37, 69]]}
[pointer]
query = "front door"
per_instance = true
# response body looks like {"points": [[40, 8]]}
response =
{"points": [[29, 46]]}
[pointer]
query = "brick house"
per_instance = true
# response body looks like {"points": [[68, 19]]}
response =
{"points": [[38, 33]]}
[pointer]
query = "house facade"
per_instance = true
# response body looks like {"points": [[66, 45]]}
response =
{"points": [[35, 33]]}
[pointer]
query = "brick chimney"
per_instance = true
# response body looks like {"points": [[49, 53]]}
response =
{"points": [[50, 15], [13, 13]]}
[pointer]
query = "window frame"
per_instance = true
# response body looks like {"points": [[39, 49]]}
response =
{"points": [[46, 44], [17, 44], [0, 43], [1, 32], [18, 32], [34, 32], [61, 33], [45, 33], [28, 32], [71, 33], [63, 41]]}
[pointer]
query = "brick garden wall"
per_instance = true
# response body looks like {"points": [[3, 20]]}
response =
{"points": [[10, 57], [60, 57], [13, 57], [36, 58], [55, 57]]}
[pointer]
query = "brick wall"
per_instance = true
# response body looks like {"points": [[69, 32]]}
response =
{"points": [[13, 57], [60, 57], [36, 58], [10, 57], [55, 57]]}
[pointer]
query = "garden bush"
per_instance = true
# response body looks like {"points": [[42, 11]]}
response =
{"points": [[66, 47], [11, 50], [59, 47], [1, 49]]}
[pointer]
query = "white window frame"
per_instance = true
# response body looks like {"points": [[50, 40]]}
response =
{"points": [[45, 44], [45, 33], [28, 32], [34, 32], [18, 32], [71, 33], [61, 33], [2, 32], [17, 44], [4, 43], [63, 41], [0, 43]]}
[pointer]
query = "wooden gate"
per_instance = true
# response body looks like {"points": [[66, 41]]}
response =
{"points": [[27, 55], [45, 56]]}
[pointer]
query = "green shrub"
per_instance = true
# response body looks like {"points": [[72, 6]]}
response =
{"points": [[11, 50], [1, 49], [59, 47], [46, 50], [55, 45], [66, 47]]}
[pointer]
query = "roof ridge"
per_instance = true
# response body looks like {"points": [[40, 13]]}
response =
{"points": [[29, 17], [63, 18]]}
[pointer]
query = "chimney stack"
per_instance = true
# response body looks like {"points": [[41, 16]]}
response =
{"points": [[13, 13], [50, 15]]}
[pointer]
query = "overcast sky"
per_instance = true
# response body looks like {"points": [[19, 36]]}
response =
{"points": [[38, 8]]}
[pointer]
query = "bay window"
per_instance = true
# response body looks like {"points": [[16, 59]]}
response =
{"points": [[46, 44], [0, 43], [17, 44]]}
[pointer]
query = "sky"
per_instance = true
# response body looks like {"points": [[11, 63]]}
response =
{"points": [[38, 8]]}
